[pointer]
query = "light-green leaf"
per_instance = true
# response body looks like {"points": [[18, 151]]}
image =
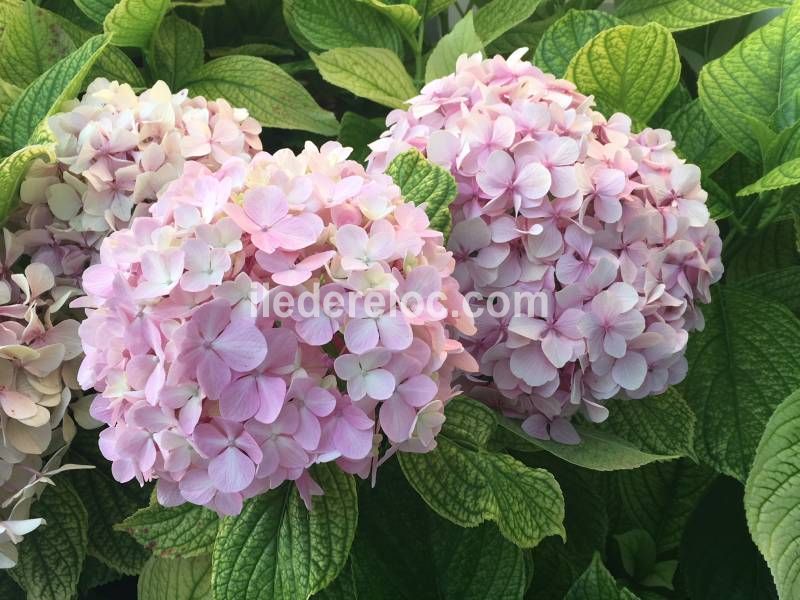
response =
{"points": [[373, 73], [467, 484], [498, 16], [628, 69], [325, 25], [96, 10], [13, 169], [687, 14], [266, 90], [596, 582], [404, 16], [755, 80], [8, 93], [421, 181], [135, 22], [278, 549], [178, 51], [745, 361], [179, 531], [772, 493], [698, 140], [785, 175], [45, 95], [564, 38], [51, 557], [461, 40], [176, 579]]}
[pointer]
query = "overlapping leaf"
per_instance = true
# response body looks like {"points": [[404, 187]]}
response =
{"points": [[181, 531], [687, 14]]}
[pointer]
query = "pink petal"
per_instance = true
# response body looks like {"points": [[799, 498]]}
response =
{"points": [[242, 346], [231, 471]]}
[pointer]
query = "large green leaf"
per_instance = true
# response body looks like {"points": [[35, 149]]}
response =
{"points": [[772, 496], [8, 93], [596, 582], [745, 361], [785, 175], [51, 557], [421, 181], [31, 44], [345, 24], [13, 169], [770, 249], [135, 22], [756, 80], [94, 574], [262, 87], [780, 285], [661, 425], [278, 549], [107, 503], [180, 531], [178, 51], [96, 10], [697, 139], [498, 16], [467, 484], [45, 95], [527, 34], [176, 579], [659, 498], [687, 14], [562, 40], [404, 16], [718, 559], [373, 73], [461, 40], [628, 69]]}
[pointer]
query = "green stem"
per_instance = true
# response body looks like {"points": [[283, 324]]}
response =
{"points": [[419, 65]]}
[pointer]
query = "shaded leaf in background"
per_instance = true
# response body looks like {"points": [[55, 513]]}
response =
{"points": [[96, 10], [780, 285], [677, 99], [176, 579], [768, 250], [178, 51], [628, 69], [276, 548], [272, 97], [771, 496], [527, 34], [373, 73], [468, 485], [95, 574], [178, 531], [697, 139], [357, 131], [404, 16], [596, 582], [745, 361], [498, 16], [461, 40], [718, 559], [135, 22], [687, 14]]}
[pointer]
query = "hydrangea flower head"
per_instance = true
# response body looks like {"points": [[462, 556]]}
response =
{"points": [[608, 229], [213, 384]]}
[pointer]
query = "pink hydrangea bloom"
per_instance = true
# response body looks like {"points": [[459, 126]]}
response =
{"points": [[208, 388], [114, 151], [608, 227]]}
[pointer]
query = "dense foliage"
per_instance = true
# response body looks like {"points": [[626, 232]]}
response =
{"points": [[629, 444]]}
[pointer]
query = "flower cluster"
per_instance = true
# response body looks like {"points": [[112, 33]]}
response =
{"points": [[608, 227], [114, 151], [205, 389]]}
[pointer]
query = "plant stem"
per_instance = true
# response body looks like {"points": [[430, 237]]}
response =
{"points": [[419, 66]]}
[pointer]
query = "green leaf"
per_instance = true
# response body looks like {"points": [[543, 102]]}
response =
{"points": [[740, 367], [8, 93], [780, 285], [278, 549], [786, 175], [421, 181], [32, 43], [176, 579], [697, 139], [638, 552], [757, 80], [13, 169], [498, 16], [687, 14], [527, 34], [96, 10], [178, 51], [628, 69], [461, 40], [597, 450], [767, 250], [467, 484], [677, 99], [404, 16], [661, 424], [771, 496], [94, 574], [373, 73], [134, 22], [107, 502], [718, 559], [8, 589], [51, 557], [562, 40], [435, 6], [325, 25], [596, 582], [179, 531], [262, 50], [263, 88], [357, 132], [45, 95]]}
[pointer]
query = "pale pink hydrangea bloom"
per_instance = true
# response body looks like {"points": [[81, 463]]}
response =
{"points": [[609, 225], [114, 151], [209, 391]]}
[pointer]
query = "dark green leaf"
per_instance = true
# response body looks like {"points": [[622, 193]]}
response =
{"points": [[595, 583], [178, 51], [357, 132], [697, 139]]}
